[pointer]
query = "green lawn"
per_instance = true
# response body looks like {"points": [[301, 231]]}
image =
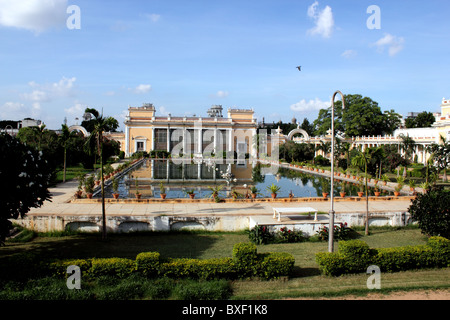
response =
{"points": [[306, 281]]}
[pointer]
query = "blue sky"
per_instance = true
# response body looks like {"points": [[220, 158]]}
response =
{"points": [[184, 56]]}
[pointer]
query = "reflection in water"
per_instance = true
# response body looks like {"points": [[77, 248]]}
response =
{"points": [[178, 178]]}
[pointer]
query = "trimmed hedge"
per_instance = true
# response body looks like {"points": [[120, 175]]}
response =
{"points": [[355, 256], [246, 262]]}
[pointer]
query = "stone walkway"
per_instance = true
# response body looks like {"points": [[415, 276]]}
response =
{"points": [[64, 192]]}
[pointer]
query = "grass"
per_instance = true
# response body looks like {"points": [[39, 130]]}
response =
{"points": [[307, 281]]}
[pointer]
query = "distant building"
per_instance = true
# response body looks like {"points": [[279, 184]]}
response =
{"points": [[145, 131]]}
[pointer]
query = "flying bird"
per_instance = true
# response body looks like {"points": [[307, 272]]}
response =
{"points": [[299, 68]]}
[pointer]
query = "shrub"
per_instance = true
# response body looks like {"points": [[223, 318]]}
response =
{"points": [[203, 290], [275, 264], [197, 269], [432, 212], [245, 258], [115, 267], [59, 268], [246, 262], [355, 256], [147, 263]]}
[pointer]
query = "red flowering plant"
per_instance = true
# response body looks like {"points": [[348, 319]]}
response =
{"points": [[287, 236], [260, 235], [341, 232]]}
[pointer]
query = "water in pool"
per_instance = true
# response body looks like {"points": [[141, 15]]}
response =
{"points": [[178, 178]]}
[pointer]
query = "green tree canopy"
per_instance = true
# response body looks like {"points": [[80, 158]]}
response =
{"points": [[24, 176], [361, 116], [423, 120]]}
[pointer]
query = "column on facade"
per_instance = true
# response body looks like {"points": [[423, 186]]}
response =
{"points": [[168, 139], [153, 139]]}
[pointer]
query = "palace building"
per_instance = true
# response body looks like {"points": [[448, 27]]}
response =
{"points": [[214, 134]]}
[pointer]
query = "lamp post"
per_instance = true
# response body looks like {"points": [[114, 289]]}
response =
{"points": [[331, 225]]}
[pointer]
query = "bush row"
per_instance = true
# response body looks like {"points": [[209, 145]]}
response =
{"points": [[246, 262], [107, 288], [355, 256]]}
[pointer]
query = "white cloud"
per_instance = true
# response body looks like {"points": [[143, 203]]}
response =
{"points": [[349, 54], [153, 17], [33, 15], [142, 88], [220, 94], [311, 105], [76, 110], [13, 111], [394, 44], [49, 91], [323, 20]]}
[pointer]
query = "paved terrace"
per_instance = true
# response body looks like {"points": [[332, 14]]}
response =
{"points": [[64, 204]]}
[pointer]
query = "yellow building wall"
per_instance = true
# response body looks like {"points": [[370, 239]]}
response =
{"points": [[138, 133]]}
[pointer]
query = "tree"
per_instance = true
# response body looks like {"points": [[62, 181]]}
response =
{"points": [[362, 117], [441, 156], [307, 126], [362, 159], [43, 140], [432, 212], [24, 176], [423, 120], [407, 144], [64, 138], [101, 124], [392, 121]]}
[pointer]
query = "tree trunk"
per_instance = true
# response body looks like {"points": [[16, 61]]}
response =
{"points": [[103, 188], [367, 205], [64, 172]]}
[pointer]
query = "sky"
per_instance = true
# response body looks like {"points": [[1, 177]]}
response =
{"points": [[58, 57]]}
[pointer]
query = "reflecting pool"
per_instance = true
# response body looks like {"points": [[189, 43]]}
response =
{"points": [[231, 178]]}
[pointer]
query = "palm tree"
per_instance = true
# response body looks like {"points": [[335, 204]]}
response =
{"points": [[325, 147], [407, 144], [64, 138], [101, 124], [362, 159]]}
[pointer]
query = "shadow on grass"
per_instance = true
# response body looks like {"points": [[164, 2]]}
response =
{"points": [[16, 258]]}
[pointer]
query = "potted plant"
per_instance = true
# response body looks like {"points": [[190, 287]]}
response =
{"points": [[425, 186], [343, 187], [191, 193], [377, 191], [138, 194], [325, 188], [385, 179], [89, 186], [215, 192], [254, 192], [273, 189], [398, 188], [115, 186], [162, 190], [99, 178], [80, 179], [412, 184], [236, 194], [361, 187]]}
